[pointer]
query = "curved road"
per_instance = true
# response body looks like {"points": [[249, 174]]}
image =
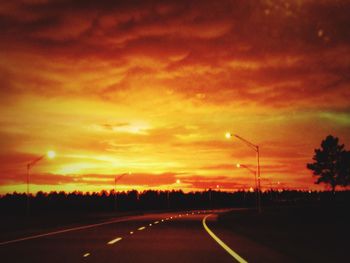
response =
{"points": [[167, 237]]}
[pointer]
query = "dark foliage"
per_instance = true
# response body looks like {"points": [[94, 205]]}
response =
{"points": [[331, 163], [78, 202]]}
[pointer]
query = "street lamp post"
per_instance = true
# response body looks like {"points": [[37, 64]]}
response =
{"points": [[210, 199], [117, 178], [256, 184], [257, 150], [50, 155], [178, 182], [167, 199]]}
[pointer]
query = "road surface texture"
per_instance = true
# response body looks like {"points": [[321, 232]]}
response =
{"points": [[193, 236]]}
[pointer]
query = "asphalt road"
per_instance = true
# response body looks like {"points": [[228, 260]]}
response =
{"points": [[191, 236]]}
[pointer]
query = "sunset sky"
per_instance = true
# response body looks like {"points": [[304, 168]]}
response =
{"points": [[151, 88]]}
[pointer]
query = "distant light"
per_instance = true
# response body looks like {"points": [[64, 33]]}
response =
{"points": [[228, 135], [178, 181], [238, 165], [320, 33], [251, 189], [217, 186], [51, 154]]}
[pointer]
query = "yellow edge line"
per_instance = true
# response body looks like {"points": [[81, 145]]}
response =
{"points": [[221, 243]]}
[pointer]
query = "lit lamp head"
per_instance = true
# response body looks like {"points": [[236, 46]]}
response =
{"points": [[51, 154], [238, 165], [228, 135]]}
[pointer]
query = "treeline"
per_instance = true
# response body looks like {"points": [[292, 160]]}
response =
{"points": [[19, 203]]}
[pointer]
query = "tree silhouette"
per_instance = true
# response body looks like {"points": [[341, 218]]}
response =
{"points": [[331, 163]]}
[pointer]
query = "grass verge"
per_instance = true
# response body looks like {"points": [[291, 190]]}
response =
{"points": [[304, 234]]}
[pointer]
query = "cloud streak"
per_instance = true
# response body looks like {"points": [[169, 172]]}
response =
{"points": [[152, 86]]}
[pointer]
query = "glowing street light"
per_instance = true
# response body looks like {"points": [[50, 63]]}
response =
{"points": [[229, 135], [50, 154]]}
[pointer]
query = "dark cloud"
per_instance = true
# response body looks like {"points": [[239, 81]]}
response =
{"points": [[262, 25], [282, 65], [194, 41]]}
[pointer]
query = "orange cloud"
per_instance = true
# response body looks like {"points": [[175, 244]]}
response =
{"points": [[151, 87]]}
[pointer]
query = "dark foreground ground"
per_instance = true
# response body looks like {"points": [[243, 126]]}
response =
{"points": [[12, 226], [153, 237], [279, 234], [303, 234]]}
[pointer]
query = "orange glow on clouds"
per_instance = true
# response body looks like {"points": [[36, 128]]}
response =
{"points": [[152, 88]]}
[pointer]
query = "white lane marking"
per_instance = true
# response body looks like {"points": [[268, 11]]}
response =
{"points": [[66, 230], [86, 255], [114, 241], [156, 222], [221, 243], [141, 228], [131, 232]]}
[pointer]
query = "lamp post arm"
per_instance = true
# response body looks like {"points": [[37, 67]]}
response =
{"points": [[248, 143], [248, 168], [120, 177], [32, 163]]}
